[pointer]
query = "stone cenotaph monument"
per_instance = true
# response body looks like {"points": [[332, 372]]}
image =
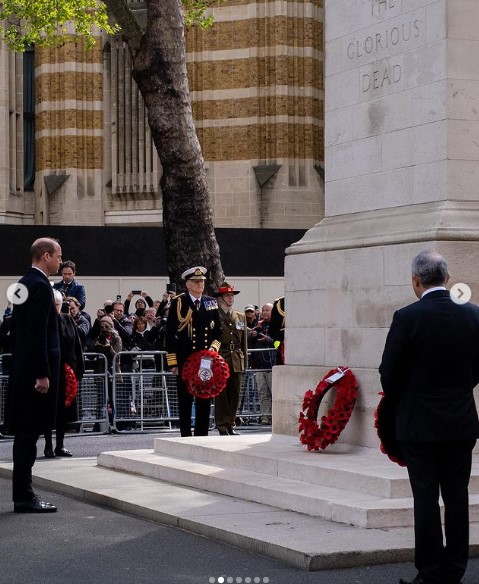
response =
{"points": [[402, 175]]}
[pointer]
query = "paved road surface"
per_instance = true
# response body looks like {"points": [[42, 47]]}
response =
{"points": [[86, 544]]}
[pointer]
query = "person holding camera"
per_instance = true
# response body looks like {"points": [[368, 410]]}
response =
{"points": [[263, 361], [123, 325], [141, 304], [168, 296], [108, 343], [80, 320]]}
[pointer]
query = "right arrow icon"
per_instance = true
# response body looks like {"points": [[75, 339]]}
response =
{"points": [[460, 293]]}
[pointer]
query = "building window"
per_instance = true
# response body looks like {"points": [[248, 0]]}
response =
{"points": [[29, 118]]}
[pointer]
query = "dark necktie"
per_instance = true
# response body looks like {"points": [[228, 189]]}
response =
{"points": [[197, 304]]}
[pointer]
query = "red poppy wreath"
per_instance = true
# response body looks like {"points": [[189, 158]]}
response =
{"points": [[318, 436], [208, 385], [71, 385], [385, 425]]}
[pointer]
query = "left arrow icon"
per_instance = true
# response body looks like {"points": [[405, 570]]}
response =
{"points": [[17, 293]]}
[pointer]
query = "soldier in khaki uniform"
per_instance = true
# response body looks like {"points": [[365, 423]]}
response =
{"points": [[234, 351]]}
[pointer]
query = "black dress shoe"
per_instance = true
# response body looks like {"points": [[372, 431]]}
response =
{"points": [[222, 432], [417, 580], [36, 505], [48, 452], [232, 432], [62, 452]]}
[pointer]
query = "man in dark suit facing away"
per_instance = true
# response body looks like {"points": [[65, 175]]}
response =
{"points": [[429, 369], [34, 376]]}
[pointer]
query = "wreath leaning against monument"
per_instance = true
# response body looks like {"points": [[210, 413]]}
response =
{"points": [[318, 436]]}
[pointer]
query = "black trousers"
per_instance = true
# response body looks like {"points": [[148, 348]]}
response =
{"points": [[440, 467], [24, 456], [202, 411]]}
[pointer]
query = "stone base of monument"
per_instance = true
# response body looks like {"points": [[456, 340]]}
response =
{"points": [[346, 484], [290, 382]]}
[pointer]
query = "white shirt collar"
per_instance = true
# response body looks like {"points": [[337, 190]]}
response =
{"points": [[434, 289], [193, 299], [40, 270]]}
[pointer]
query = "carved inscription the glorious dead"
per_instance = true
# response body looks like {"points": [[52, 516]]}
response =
{"points": [[379, 48]]}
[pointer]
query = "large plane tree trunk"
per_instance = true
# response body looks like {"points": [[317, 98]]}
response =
{"points": [[159, 69]]}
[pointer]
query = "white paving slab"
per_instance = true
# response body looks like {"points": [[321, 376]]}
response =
{"points": [[306, 542]]}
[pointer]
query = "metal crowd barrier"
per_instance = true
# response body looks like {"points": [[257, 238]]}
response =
{"points": [[139, 392], [4, 371], [249, 404], [144, 391], [92, 397]]}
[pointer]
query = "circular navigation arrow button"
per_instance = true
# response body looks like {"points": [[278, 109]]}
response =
{"points": [[460, 293], [17, 293]]}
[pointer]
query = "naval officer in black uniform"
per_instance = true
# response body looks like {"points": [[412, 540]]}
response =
{"points": [[193, 324]]}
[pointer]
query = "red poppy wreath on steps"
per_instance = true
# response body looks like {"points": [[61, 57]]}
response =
{"points": [[319, 435], [205, 373]]}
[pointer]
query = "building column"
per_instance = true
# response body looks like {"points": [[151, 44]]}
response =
{"points": [[69, 185]]}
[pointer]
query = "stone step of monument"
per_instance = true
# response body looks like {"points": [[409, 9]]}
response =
{"points": [[340, 466], [339, 505], [347, 484], [344, 505]]}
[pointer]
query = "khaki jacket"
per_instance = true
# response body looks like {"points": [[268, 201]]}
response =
{"points": [[234, 347]]}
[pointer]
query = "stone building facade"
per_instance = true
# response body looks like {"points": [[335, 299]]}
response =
{"points": [[78, 149]]}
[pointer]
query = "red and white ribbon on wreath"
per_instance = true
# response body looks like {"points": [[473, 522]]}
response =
{"points": [[319, 435], [205, 388]]}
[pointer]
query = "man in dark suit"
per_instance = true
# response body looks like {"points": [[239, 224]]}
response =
{"points": [[34, 377], [193, 324], [429, 369]]}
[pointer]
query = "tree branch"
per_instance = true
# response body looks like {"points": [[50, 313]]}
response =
{"points": [[130, 29]]}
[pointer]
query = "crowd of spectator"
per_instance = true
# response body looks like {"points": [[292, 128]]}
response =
{"points": [[139, 324]]}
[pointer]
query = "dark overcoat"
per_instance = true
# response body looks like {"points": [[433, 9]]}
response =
{"points": [[71, 354], [35, 354], [430, 367]]}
